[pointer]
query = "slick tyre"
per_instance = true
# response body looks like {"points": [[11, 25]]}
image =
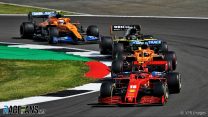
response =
{"points": [[106, 89], [27, 30], [119, 56], [117, 66], [174, 82], [92, 30], [160, 89], [117, 48], [105, 45]]}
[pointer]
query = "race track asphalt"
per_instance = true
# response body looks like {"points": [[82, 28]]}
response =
{"points": [[188, 37]]}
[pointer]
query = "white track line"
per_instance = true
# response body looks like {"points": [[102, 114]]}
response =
{"points": [[41, 8], [32, 46], [88, 54], [35, 46], [13, 15], [90, 86]]}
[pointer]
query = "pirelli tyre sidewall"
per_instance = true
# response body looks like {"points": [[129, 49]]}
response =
{"points": [[27, 30]]}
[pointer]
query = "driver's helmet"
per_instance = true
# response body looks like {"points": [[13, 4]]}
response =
{"points": [[61, 21]]}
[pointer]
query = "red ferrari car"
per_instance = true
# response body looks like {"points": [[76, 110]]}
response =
{"points": [[140, 88]]}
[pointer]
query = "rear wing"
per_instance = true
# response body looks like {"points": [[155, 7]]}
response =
{"points": [[122, 29], [32, 15]]}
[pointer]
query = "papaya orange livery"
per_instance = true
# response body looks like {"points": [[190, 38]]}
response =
{"points": [[55, 28]]}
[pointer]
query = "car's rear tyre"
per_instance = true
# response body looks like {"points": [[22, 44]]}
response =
{"points": [[106, 89], [92, 30], [171, 55], [53, 32], [27, 30], [105, 45], [174, 82], [117, 48]]}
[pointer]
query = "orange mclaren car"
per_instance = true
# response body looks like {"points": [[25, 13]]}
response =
{"points": [[56, 28]]}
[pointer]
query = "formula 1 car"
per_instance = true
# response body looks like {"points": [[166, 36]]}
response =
{"points": [[144, 57], [55, 28], [140, 88], [130, 41]]}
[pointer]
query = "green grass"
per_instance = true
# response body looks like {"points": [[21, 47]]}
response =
{"points": [[20, 78], [13, 9]]}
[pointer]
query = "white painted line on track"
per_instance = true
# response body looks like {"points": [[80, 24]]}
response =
{"points": [[109, 75], [32, 46], [41, 8], [13, 14], [107, 63], [90, 86], [88, 54]]}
